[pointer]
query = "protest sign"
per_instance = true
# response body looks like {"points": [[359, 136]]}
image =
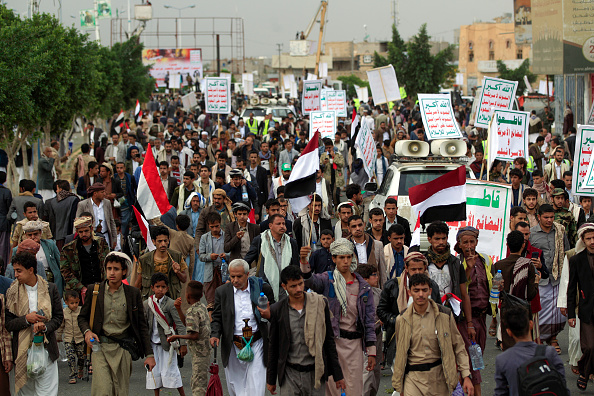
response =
{"points": [[366, 148], [331, 100], [311, 96], [590, 120], [288, 79], [324, 122], [582, 169], [217, 95], [496, 93], [247, 80], [311, 77], [362, 94], [323, 70], [438, 116], [383, 84], [189, 101], [487, 209], [175, 81], [508, 135]]}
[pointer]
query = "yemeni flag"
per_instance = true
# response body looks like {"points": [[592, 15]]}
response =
{"points": [[354, 122], [144, 230], [441, 199], [302, 181], [151, 195], [416, 235], [137, 112], [119, 122]]}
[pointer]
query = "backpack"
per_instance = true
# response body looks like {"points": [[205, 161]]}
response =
{"points": [[537, 377]]}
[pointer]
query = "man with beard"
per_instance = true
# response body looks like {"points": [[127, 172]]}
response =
{"points": [[367, 250], [530, 200], [449, 274], [341, 228], [222, 205], [280, 181], [81, 261], [310, 217]]}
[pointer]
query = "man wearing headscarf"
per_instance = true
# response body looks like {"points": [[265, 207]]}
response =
{"points": [[479, 282], [222, 205], [350, 300], [81, 260], [581, 277]]}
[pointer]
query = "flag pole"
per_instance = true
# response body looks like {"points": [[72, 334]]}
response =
{"points": [[313, 207]]}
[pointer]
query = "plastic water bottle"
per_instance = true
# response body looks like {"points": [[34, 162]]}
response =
{"points": [[476, 356], [224, 271], [263, 301], [96, 347], [494, 296], [244, 194]]}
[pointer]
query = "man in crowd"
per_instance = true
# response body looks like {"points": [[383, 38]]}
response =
{"points": [[354, 196], [128, 184], [391, 210], [310, 217], [90, 178], [301, 358], [183, 191], [169, 182], [240, 234], [273, 206], [395, 252], [344, 210], [563, 216], [333, 163], [377, 230], [557, 167], [234, 190], [259, 179], [104, 225], [221, 205], [236, 307], [26, 194], [550, 237], [81, 260], [431, 353], [367, 250], [18, 234], [60, 212], [530, 203]]}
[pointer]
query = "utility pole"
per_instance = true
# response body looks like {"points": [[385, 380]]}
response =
{"points": [[395, 13], [129, 20], [279, 47], [96, 13], [218, 56]]}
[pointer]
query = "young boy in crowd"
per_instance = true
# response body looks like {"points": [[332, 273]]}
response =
{"points": [[163, 321], [197, 324], [74, 341]]}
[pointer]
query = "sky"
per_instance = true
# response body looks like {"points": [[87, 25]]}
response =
{"points": [[268, 22]]}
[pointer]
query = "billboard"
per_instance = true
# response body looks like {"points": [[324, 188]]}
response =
{"points": [[523, 21], [182, 61]]}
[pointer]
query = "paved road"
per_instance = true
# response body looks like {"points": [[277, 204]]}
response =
{"points": [[137, 382]]}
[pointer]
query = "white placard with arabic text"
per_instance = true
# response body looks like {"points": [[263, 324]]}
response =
{"points": [[217, 95], [438, 116], [582, 182], [310, 100], [383, 84], [366, 148], [334, 101], [323, 121], [508, 135], [496, 93]]}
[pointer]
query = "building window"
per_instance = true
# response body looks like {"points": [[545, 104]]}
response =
{"points": [[491, 45], [491, 55], [470, 56], [470, 45], [519, 54], [508, 44]]}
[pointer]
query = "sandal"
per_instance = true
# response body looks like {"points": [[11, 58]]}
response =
{"points": [[493, 328], [72, 381], [555, 344], [582, 382], [575, 370], [80, 373]]}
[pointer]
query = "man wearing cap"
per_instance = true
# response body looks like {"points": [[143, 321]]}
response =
{"points": [[240, 233], [102, 213], [479, 282], [287, 155], [81, 260], [564, 216], [234, 190], [281, 180], [30, 210], [350, 300], [221, 205]]}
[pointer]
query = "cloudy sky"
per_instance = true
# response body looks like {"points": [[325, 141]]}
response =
{"points": [[267, 22]]}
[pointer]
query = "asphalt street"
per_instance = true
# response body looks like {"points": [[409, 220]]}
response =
{"points": [[138, 379]]}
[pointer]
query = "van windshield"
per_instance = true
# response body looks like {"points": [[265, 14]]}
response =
{"points": [[414, 178]]}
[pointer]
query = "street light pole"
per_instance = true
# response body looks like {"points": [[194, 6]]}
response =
{"points": [[96, 12], [179, 9]]}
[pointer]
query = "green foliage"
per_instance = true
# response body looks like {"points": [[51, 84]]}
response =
{"points": [[349, 83], [517, 74], [415, 67]]}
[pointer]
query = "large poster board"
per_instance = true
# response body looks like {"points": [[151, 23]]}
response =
{"points": [[584, 144], [323, 121], [182, 61], [487, 209], [508, 135], [438, 116], [366, 148], [383, 84], [331, 100], [496, 93], [310, 100], [217, 95]]}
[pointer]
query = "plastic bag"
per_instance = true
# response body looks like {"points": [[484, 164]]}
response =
{"points": [[37, 359], [62, 350], [246, 354]]}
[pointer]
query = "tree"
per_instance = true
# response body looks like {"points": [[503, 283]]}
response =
{"points": [[415, 67], [517, 74], [349, 83]]}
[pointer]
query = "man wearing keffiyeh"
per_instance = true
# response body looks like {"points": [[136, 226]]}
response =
{"points": [[353, 312]]}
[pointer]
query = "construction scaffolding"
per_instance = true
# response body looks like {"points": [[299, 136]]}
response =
{"points": [[192, 33]]}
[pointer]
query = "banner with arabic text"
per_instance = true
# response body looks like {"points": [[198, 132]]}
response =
{"points": [[438, 116], [496, 94], [508, 135], [487, 209], [311, 96], [582, 167], [217, 95]]}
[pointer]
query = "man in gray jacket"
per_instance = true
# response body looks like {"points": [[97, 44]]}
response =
{"points": [[60, 212], [45, 174], [287, 155]]}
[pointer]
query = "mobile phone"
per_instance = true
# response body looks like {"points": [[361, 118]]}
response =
{"points": [[40, 312], [146, 366], [535, 255]]}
